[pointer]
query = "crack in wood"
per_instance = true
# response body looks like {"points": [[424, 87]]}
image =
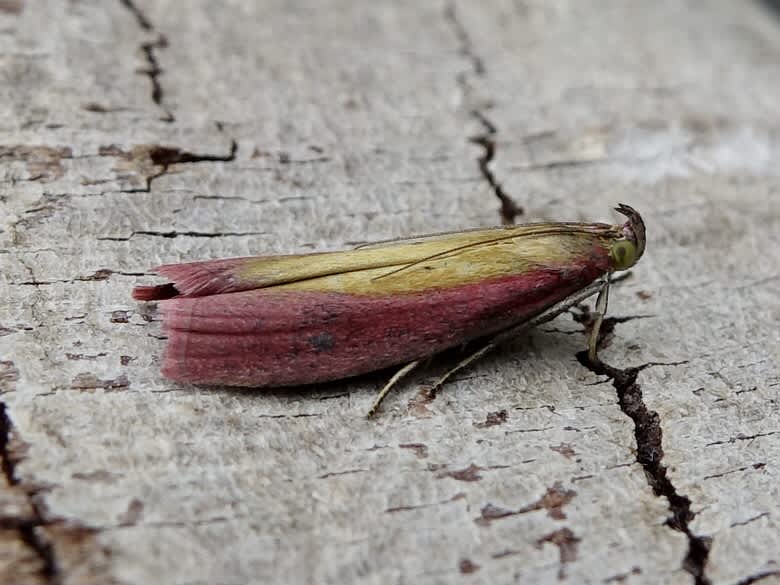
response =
{"points": [[27, 528], [487, 139], [750, 579], [649, 454], [165, 157], [741, 437], [509, 209], [99, 275], [407, 508], [754, 466], [749, 520], [162, 157], [339, 473], [175, 234], [153, 70]]}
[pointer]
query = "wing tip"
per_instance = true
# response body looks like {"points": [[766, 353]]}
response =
{"points": [[158, 292], [192, 279]]}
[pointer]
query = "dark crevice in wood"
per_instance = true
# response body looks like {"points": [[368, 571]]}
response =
{"points": [[649, 454], [153, 69], [165, 156], [140, 17], [509, 209], [487, 139], [465, 46], [750, 579], [98, 275], [175, 234], [27, 527], [153, 72]]}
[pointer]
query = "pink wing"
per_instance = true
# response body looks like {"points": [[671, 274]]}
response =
{"points": [[277, 337]]}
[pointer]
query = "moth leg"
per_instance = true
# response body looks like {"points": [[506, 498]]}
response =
{"points": [[463, 364], [601, 309], [515, 330], [390, 383]]}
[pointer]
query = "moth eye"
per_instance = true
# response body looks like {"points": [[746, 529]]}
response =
{"points": [[623, 254]]}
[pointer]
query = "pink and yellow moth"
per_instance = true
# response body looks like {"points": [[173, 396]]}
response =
{"points": [[301, 319]]}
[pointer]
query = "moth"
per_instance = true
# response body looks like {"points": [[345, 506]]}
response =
{"points": [[301, 319]]}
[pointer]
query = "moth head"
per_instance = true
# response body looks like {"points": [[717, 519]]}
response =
{"points": [[628, 248]]}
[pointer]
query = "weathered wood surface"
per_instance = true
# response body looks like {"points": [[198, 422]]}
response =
{"points": [[140, 132]]}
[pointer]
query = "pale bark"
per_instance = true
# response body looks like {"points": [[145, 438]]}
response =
{"points": [[140, 132]]}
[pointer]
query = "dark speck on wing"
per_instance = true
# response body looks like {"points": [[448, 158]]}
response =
{"points": [[321, 342]]}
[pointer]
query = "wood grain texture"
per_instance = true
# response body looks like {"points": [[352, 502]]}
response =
{"points": [[136, 133]]}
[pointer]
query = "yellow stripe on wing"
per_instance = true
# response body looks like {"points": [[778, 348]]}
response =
{"points": [[470, 253]]}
